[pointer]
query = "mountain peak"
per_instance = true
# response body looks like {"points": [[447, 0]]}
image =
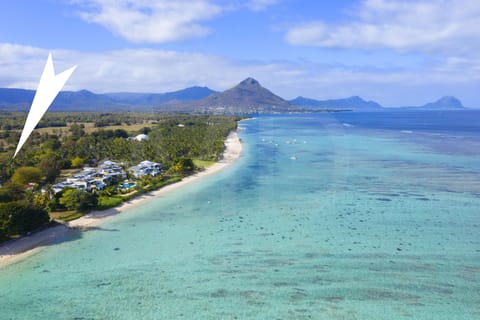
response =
{"points": [[445, 102], [249, 82], [451, 100], [246, 97]]}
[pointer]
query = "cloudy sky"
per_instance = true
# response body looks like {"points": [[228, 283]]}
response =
{"points": [[396, 52]]}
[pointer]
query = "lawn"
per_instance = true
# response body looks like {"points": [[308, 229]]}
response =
{"points": [[203, 164]]}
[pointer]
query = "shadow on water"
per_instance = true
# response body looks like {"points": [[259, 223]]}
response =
{"points": [[50, 236], [96, 228]]}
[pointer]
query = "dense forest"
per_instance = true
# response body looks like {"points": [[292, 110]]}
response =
{"points": [[65, 142]]}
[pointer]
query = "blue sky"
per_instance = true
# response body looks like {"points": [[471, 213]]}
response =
{"points": [[397, 52]]}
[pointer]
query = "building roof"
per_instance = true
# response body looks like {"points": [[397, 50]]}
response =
{"points": [[142, 137]]}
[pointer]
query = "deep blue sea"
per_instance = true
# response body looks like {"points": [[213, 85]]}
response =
{"points": [[325, 216]]}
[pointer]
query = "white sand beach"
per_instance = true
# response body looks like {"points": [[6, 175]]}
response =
{"points": [[17, 249]]}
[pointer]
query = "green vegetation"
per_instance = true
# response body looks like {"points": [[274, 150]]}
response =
{"points": [[66, 142], [108, 202], [18, 217], [72, 216], [183, 165], [202, 164], [78, 200], [24, 175]]}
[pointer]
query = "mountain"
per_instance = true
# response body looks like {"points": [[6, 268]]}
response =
{"points": [[356, 103], [246, 97], [15, 99], [83, 100], [155, 99], [16, 96], [352, 103], [20, 100], [446, 102]]}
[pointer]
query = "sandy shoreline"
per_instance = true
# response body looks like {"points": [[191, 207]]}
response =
{"points": [[15, 250]]}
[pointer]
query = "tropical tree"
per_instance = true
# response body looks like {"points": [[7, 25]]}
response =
{"points": [[11, 191], [183, 165], [50, 165], [24, 175], [77, 131], [78, 162], [78, 200], [18, 217]]}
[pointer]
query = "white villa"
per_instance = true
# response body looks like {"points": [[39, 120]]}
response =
{"points": [[93, 179], [145, 168], [89, 179]]}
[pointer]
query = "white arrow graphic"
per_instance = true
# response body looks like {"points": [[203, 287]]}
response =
{"points": [[48, 88]]}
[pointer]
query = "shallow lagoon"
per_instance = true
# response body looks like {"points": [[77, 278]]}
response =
{"points": [[328, 216]]}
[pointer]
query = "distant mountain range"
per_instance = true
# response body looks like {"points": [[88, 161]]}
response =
{"points": [[155, 99], [356, 103], [248, 97], [352, 103], [83, 100]]}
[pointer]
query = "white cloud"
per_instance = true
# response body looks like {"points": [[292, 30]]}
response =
{"points": [[151, 21], [148, 70], [259, 5], [132, 70], [404, 25]]}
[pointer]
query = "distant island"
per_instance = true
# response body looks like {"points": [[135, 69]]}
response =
{"points": [[356, 103], [247, 97], [444, 103]]}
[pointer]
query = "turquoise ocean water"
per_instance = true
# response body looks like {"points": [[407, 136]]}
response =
{"points": [[328, 216]]}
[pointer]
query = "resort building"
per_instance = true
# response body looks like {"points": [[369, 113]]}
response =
{"points": [[145, 168], [89, 179]]}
